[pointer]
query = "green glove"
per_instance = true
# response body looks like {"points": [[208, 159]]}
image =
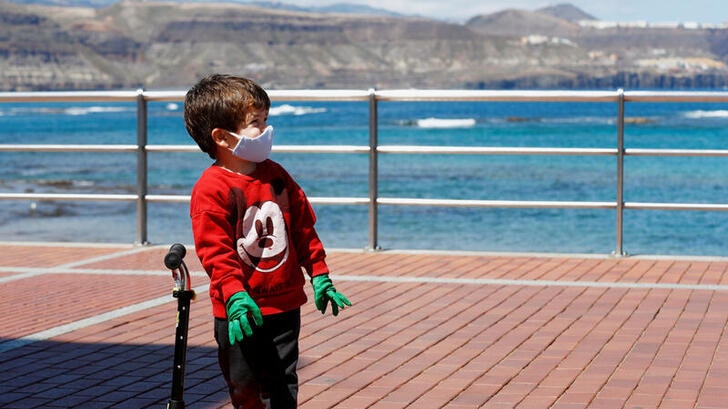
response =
{"points": [[238, 307], [324, 291]]}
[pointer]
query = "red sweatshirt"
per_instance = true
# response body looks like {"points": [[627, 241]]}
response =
{"points": [[254, 233]]}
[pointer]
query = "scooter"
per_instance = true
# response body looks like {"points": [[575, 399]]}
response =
{"points": [[184, 294]]}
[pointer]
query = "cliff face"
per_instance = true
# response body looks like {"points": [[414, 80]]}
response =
{"points": [[161, 45]]}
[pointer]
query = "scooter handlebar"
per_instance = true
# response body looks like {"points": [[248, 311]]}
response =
{"points": [[174, 257]]}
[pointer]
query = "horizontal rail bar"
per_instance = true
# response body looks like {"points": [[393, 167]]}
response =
{"points": [[339, 200], [164, 96], [676, 206], [676, 152], [489, 150], [69, 96], [385, 95], [276, 148], [675, 96], [496, 203], [394, 149], [67, 148], [319, 95], [391, 149], [172, 148], [321, 149], [313, 200], [168, 198], [495, 95], [69, 196]]}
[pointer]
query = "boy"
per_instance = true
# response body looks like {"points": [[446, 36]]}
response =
{"points": [[253, 229]]}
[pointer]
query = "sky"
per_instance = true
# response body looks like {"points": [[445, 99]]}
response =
{"points": [[653, 11]]}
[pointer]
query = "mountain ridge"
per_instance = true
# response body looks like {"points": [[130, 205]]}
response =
{"points": [[154, 44]]}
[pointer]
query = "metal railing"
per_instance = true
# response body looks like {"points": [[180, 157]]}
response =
{"points": [[373, 97]]}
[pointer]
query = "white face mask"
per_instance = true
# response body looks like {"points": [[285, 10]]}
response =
{"points": [[254, 149]]}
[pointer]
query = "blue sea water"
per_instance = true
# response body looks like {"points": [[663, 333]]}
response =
{"points": [[439, 176]]}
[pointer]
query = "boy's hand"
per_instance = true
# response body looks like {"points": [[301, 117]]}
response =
{"points": [[238, 307], [324, 291]]}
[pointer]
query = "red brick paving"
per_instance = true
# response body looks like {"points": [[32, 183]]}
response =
{"points": [[427, 330]]}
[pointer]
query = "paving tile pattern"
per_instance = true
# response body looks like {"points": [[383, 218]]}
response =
{"points": [[93, 327]]}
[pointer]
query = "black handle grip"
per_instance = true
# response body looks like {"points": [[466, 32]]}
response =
{"points": [[174, 258]]}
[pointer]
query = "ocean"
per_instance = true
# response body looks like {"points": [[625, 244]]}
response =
{"points": [[436, 176]]}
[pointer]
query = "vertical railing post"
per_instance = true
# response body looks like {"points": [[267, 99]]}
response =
{"points": [[141, 168], [619, 251], [373, 171]]}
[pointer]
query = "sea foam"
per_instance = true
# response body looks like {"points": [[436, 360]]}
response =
{"points": [[287, 109], [721, 113], [445, 123]]}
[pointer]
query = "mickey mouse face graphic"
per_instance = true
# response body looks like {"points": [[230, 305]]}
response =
{"points": [[264, 245]]}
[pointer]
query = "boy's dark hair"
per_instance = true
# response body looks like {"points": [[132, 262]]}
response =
{"points": [[220, 101]]}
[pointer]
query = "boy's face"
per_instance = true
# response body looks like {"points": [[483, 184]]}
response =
{"points": [[255, 123]]}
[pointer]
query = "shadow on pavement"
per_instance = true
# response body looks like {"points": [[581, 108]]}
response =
{"points": [[46, 374]]}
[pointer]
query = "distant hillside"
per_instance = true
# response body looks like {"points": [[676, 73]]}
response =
{"points": [[567, 12], [151, 44], [516, 23], [345, 8]]}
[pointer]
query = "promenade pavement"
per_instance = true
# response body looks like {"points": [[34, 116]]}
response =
{"points": [[92, 326]]}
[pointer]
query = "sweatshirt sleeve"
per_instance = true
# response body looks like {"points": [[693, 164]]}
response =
{"points": [[214, 240], [310, 249], [216, 252]]}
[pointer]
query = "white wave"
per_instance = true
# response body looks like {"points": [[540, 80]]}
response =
{"points": [[445, 123], [721, 113], [66, 111], [94, 110], [287, 109]]}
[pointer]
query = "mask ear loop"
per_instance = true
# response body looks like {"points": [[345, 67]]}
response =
{"points": [[236, 140], [221, 137]]}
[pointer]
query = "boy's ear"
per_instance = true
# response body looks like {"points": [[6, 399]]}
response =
{"points": [[222, 138]]}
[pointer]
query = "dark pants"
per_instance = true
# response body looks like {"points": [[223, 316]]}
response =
{"points": [[262, 366]]}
